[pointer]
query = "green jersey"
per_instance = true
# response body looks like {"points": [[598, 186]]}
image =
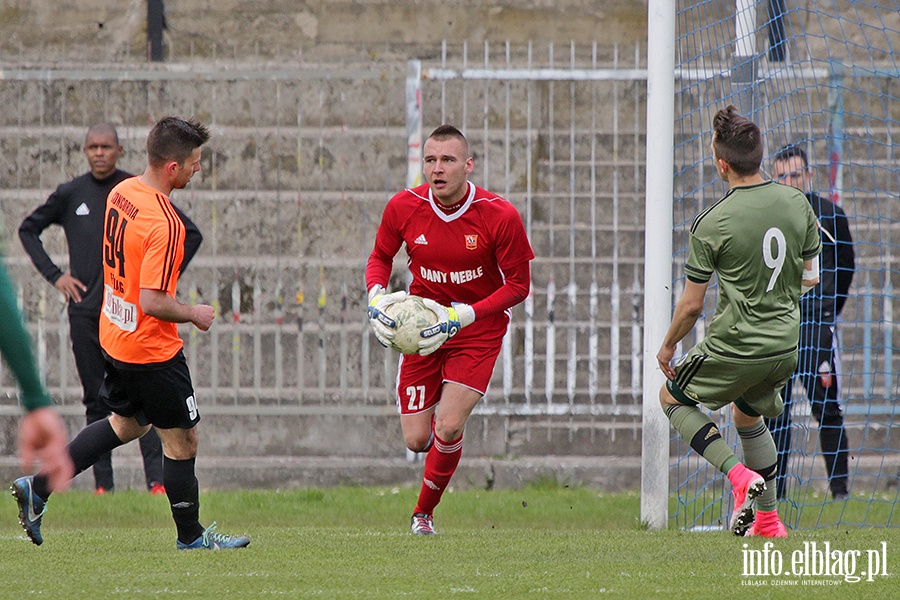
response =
{"points": [[755, 240], [15, 347]]}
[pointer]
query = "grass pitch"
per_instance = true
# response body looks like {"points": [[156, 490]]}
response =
{"points": [[542, 541]]}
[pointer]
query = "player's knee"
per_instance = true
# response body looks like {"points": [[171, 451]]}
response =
{"points": [[449, 429], [179, 444], [179, 451], [742, 419], [127, 428], [666, 398], [418, 441]]}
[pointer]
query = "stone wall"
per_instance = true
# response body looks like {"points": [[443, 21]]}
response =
{"points": [[313, 30], [344, 157]]}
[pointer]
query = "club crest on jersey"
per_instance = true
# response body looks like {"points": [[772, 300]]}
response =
{"points": [[471, 242]]}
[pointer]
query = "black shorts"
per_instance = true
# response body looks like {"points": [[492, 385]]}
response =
{"points": [[161, 395]]}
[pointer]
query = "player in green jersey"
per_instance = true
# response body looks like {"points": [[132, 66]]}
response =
{"points": [[762, 242], [42, 432]]}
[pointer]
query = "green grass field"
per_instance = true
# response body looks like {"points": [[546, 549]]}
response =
{"points": [[542, 541]]}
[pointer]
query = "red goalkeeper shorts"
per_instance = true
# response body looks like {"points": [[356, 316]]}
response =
{"points": [[419, 378]]}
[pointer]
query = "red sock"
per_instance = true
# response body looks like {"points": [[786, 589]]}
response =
{"points": [[440, 464]]}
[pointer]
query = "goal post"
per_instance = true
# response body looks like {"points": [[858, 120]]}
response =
{"points": [[657, 257]]}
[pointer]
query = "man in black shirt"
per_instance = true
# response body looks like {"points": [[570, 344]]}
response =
{"points": [[819, 310], [78, 207]]}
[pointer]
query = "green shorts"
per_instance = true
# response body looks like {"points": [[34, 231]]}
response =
{"points": [[715, 381]]}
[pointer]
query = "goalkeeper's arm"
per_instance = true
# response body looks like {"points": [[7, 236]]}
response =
{"points": [[517, 281]]}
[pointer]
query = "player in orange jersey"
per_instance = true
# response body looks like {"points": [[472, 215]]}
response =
{"points": [[78, 207], [147, 381]]}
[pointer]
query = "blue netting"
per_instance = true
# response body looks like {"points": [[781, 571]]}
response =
{"points": [[822, 76]]}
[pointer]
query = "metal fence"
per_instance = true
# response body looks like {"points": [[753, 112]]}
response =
{"points": [[301, 163]]}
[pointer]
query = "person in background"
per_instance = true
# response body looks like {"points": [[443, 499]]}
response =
{"points": [[819, 311], [761, 240], [77, 206]]}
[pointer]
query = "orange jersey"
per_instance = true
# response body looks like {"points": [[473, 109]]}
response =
{"points": [[143, 247]]}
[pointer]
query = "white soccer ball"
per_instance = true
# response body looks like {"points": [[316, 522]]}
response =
{"points": [[412, 316]]}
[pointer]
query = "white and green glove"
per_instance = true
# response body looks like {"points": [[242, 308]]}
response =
{"points": [[382, 324], [450, 320]]}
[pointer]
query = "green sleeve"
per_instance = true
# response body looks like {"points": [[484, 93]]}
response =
{"points": [[701, 262], [15, 346], [813, 244]]}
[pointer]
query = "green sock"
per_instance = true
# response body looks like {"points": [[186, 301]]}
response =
{"points": [[702, 434], [760, 455]]}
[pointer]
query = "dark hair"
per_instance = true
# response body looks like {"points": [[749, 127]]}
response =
{"points": [[174, 139], [445, 132], [790, 151], [737, 141], [102, 129]]}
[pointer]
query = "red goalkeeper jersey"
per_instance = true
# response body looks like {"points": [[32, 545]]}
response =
{"points": [[458, 257]]}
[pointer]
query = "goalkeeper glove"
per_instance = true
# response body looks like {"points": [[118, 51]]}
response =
{"points": [[382, 325], [450, 320]]}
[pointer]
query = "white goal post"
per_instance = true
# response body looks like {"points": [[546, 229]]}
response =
{"points": [[658, 223]]}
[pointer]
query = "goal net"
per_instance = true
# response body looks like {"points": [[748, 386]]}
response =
{"points": [[821, 76]]}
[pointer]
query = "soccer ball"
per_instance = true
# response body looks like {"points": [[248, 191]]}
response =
{"points": [[412, 316]]}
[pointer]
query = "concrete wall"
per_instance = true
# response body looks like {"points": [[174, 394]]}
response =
{"points": [[312, 30], [290, 169]]}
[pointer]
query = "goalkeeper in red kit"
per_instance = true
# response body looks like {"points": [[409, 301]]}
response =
{"points": [[469, 256]]}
